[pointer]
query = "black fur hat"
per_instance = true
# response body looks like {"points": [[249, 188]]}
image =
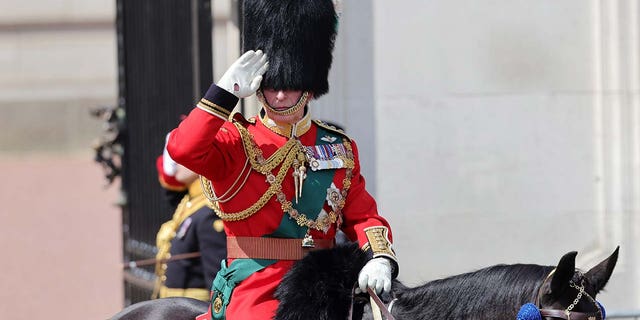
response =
{"points": [[298, 37]]}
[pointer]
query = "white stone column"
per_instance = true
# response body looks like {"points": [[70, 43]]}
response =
{"points": [[350, 101], [617, 139]]}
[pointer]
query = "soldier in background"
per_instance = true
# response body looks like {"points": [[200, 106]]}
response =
{"points": [[195, 232]]}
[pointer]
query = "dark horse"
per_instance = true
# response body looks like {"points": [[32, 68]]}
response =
{"points": [[320, 287]]}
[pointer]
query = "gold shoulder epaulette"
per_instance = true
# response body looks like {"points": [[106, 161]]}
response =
{"points": [[331, 128]]}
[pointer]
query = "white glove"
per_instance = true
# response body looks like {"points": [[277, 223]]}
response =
{"points": [[243, 77], [376, 274], [174, 169], [168, 164]]}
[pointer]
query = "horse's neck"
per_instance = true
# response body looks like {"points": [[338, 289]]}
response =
{"points": [[517, 281], [492, 292]]}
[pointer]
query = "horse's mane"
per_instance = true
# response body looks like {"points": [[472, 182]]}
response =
{"points": [[321, 284], [499, 290]]}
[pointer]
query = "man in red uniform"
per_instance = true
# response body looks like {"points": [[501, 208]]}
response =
{"points": [[282, 183]]}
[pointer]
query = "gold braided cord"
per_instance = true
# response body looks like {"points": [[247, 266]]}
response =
{"points": [[285, 156], [322, 222], [274, 188], [210, 193], [302, 220], [350, 163], [207, 189], [254, 154]]}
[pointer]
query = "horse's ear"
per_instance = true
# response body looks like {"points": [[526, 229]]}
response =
{"points": [[599, 275], [563, 273]]}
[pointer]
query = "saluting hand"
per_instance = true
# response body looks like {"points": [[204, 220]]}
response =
{"points": [[243, 77]]}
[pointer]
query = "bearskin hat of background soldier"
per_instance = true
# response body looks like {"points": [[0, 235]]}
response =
{"points": [[298, 38]]}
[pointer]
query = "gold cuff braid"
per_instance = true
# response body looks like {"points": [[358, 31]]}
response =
{"points": [[379, 243], [213, 108]]}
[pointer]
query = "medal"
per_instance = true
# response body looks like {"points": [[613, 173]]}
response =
{"points": [[308, 242], [326, 156], [299, 171]]}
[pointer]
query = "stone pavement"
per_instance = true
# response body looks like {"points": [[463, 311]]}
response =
{"points": [[60, 238]]}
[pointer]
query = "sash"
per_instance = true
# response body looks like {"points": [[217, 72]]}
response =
{"points": [[227, 279], [314, 195]]}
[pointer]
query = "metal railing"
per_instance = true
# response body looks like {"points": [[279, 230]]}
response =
{"points": [[624, 314]]}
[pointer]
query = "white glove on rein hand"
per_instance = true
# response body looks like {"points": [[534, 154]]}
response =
{"points": [[376, 274], [243, 77]]}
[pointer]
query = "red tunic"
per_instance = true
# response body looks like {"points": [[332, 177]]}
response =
{"points": [[213, 148]]}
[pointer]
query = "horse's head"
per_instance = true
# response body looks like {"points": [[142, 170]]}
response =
{"points": [[568, 293]]}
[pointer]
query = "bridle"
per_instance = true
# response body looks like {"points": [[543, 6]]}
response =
{"points": [[378, 308], [568, 313]]}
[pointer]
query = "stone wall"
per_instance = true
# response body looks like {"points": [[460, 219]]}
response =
{"points": [[508, 131]]}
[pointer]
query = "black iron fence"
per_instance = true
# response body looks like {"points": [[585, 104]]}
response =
{"points": [[165, 65]]}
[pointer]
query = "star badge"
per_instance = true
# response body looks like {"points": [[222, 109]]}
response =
{"points": [[329, 139]]}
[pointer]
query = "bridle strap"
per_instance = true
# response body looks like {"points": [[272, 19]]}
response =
{"points": [[376, 302], [567, 314], [572, 315], [380, 304]]}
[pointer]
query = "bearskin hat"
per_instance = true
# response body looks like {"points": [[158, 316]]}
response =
{"points": [[298, 38]]}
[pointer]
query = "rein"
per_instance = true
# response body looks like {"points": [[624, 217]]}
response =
{"points": [[377, 306], [381, 307], [147, 262], [567, 313]]}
